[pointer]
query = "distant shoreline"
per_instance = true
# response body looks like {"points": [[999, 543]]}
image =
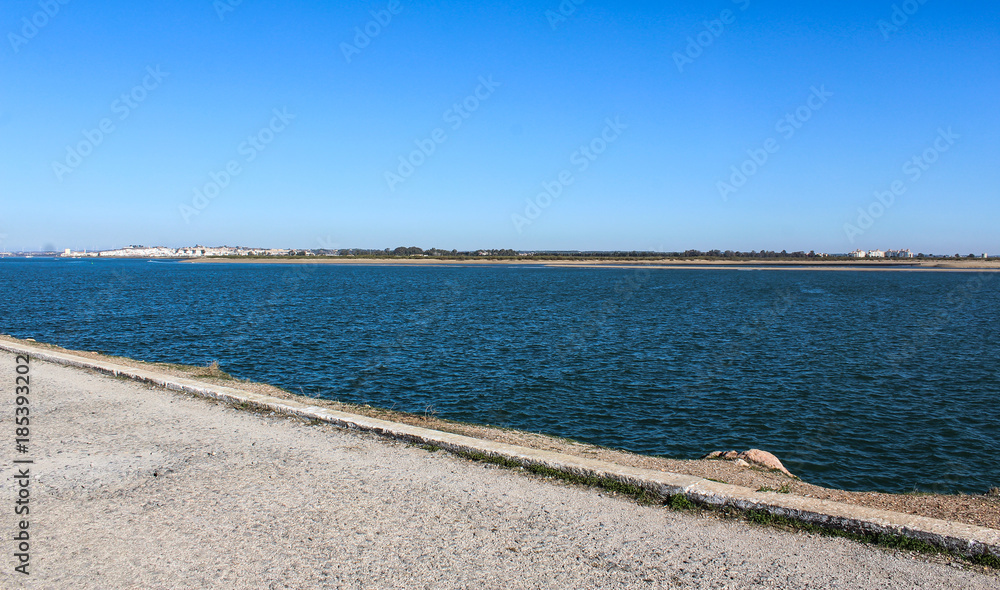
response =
{"points": [[938, 265], [902, 265]]}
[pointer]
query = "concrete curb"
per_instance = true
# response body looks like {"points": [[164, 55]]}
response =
{"points": [[965, 539]]}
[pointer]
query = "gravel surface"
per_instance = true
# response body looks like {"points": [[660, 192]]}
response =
{"points": [[138, 487]]}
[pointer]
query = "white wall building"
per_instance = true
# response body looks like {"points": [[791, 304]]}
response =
{"points": [[187, 252]]}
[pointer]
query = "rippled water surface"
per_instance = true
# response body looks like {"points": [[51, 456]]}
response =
{"points": [[858, 380]]}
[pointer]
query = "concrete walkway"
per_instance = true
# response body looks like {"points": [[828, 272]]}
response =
{"points": [[139, 487]]}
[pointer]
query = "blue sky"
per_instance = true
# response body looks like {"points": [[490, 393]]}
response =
{"points": [[119, 121]]}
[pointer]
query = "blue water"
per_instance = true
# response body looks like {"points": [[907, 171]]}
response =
{"points": [[859, 380]]}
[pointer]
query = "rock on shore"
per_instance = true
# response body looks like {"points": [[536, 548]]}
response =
{"points": [[753, 457]]}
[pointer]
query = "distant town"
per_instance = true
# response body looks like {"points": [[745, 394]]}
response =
{"points": [[137, 251], [884, 254], [187, 252]]}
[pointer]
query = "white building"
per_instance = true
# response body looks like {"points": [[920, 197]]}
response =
{"points": [[139, 252], [876, 254], [899, 254], [68, 253], [857, 254], [187, 252]]}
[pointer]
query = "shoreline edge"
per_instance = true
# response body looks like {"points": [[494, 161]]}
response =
{"points": [[964, 539]]}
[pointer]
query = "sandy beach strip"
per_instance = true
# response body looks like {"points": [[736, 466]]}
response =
{"points": [[756, 265], [136, 486]]}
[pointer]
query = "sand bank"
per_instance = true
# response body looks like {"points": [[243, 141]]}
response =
{"points": [[924, 265]]}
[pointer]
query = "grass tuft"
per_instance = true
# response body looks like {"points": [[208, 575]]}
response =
{"points": [[683, 503], [784, 489], [986, 560], [637, 493]]}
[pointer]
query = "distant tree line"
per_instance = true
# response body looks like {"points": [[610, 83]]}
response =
{"points": [[414, 251], [493, 254]]}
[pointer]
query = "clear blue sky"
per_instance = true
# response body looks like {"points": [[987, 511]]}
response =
{"points": [[873, 97]]}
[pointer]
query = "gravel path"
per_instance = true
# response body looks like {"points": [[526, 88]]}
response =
{"points": [[138, 487]]}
